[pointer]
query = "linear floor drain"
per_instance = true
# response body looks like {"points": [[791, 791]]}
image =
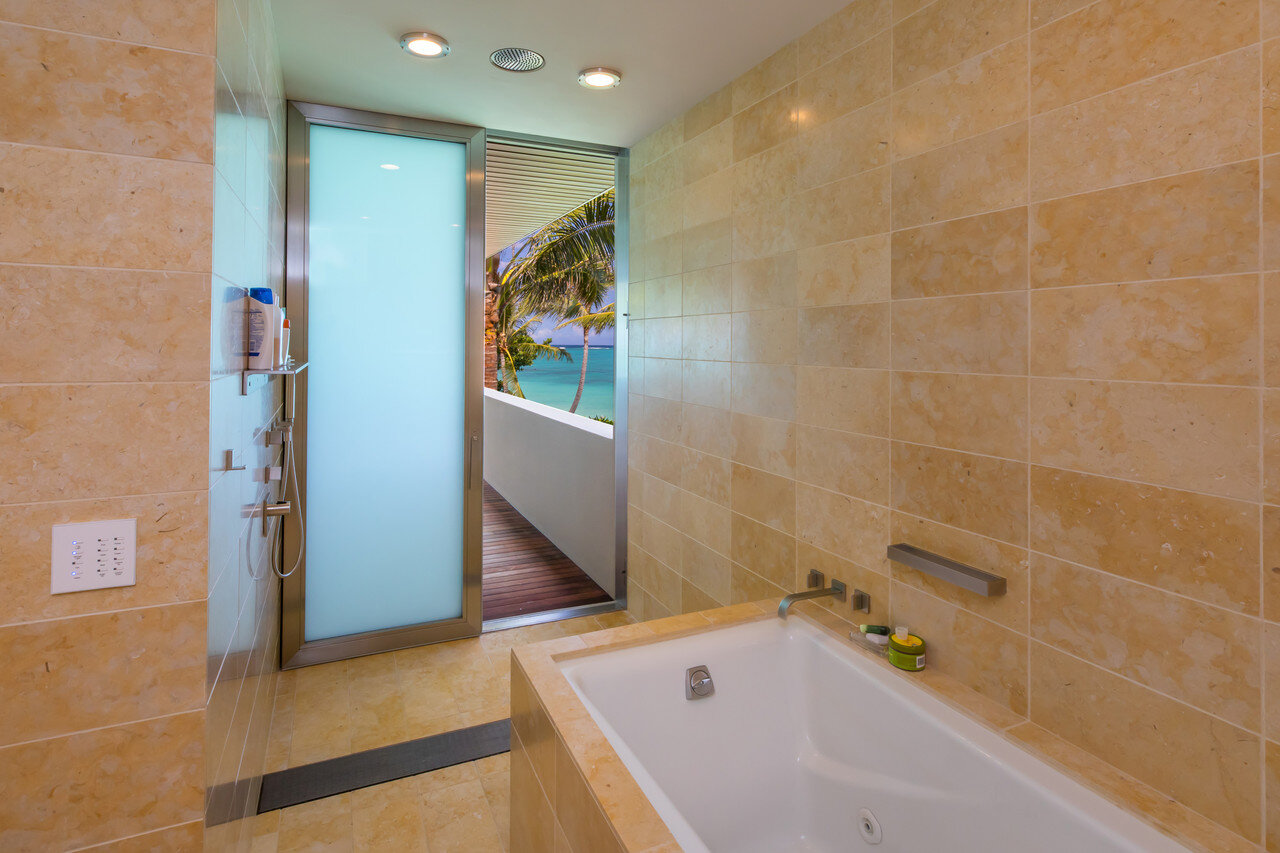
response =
{"points": [[309, 782]]}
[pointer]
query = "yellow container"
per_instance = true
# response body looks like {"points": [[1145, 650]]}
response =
{"points": [[906, 650]]}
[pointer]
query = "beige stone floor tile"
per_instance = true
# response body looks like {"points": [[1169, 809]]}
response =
{"points": [[264, 833], [420, 722], [459, 820], [443, 657], [476, 693], [325, 676], [338, 708], [265, 844], [371, 668], [497, 789], [321, 729], [388, 817], [321, 825], [428, 692], [500, 763], [437, 781], [380, 721], [500, 662], [377, 711], [485, 714]]}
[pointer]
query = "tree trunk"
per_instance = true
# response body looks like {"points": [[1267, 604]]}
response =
{"points": [[582, 373]]}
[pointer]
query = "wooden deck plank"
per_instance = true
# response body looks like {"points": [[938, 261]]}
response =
{"points": [[524, 572]]}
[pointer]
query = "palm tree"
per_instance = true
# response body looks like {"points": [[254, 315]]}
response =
{"points": [[589, 322], [516, 347], [567, 268]]}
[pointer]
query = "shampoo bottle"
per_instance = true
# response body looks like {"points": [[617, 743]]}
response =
{"points": [[261, 323]]}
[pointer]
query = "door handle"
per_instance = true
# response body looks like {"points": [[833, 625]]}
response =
{"points": [[472, 447]]}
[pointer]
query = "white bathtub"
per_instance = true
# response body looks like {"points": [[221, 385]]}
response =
{"points": [[803, 733]]}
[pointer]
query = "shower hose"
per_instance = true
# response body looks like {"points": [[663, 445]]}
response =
{"points": [[289, 477]]}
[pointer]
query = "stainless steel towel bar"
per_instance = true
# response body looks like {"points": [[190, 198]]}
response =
{"points": [[965, 577]]}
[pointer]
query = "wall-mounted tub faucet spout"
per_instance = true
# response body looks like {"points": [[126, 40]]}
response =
{"points": [[836, 591]]}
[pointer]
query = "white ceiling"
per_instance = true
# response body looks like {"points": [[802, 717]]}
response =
{"points": [[672, 53]]}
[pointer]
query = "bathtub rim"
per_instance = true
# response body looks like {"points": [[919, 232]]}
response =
{"points": [[634, 822]]}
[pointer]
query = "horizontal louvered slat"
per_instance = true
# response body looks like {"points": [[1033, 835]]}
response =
{"points": [[527, 187]]}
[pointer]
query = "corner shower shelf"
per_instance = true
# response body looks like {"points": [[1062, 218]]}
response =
{"points": [[246, 375]]}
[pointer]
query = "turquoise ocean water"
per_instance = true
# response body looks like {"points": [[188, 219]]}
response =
{"points": [[555, 382]]}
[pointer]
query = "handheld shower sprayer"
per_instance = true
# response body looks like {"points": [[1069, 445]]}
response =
{"points": [[288, 477]]}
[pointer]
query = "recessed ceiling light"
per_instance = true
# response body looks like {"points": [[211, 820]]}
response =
{"points": [[599, 78], [519, 59], [428, 45], [390, 167]]}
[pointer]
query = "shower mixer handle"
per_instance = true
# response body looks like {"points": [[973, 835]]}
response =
{"points": [[280, 433], [268, 511]]}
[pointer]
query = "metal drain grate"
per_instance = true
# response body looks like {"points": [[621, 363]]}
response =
{"points": [[517, 59], [296, 785]]}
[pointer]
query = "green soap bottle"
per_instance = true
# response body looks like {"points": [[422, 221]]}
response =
{"points": [[906, 650]]}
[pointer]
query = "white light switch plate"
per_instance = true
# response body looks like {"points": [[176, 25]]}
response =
{"points": [[94, 555]]}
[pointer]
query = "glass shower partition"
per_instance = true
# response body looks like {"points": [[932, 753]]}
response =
{"points": [[384, 296]]}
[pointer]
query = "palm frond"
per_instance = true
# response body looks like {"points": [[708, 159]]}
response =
{"points": [[596, 321], [570, 260]]}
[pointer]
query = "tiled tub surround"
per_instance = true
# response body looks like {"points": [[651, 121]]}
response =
{"points": [[1000, 279], [570, 791]]}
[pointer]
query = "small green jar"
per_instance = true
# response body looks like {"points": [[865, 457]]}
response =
{"points": [[906, 650]]}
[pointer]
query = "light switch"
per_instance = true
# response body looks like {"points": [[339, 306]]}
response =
{"points": [[94, 555]]}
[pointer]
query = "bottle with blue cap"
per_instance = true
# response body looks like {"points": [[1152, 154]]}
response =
{"points": [[260, 316]]}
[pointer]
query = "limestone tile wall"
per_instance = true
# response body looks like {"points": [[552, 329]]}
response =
{"points": [[248, 251], [106, 187], [990, 277]]}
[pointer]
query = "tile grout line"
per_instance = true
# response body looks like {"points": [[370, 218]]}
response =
{"points": [[1262, 430], [78, 34], [1029, 548], [1121, 675], [1034, 464], [96, 152], [1183, 702], [99, 613], [894, 160], [1030, 200], [113, 841], [1160, 383], [119, 725], [1027, 331], [1042, 288], [99, 268], [893, 96]]}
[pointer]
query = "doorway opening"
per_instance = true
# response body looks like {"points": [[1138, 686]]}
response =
{"points": [[552, 387]]}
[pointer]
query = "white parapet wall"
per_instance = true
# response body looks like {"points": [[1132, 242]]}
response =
{"points": [[556, 469]]}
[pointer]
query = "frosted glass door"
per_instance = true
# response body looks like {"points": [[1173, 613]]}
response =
{"points": [[385, 393]]}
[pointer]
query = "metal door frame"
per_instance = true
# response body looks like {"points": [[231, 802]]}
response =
{"points": [[295, 651]]}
